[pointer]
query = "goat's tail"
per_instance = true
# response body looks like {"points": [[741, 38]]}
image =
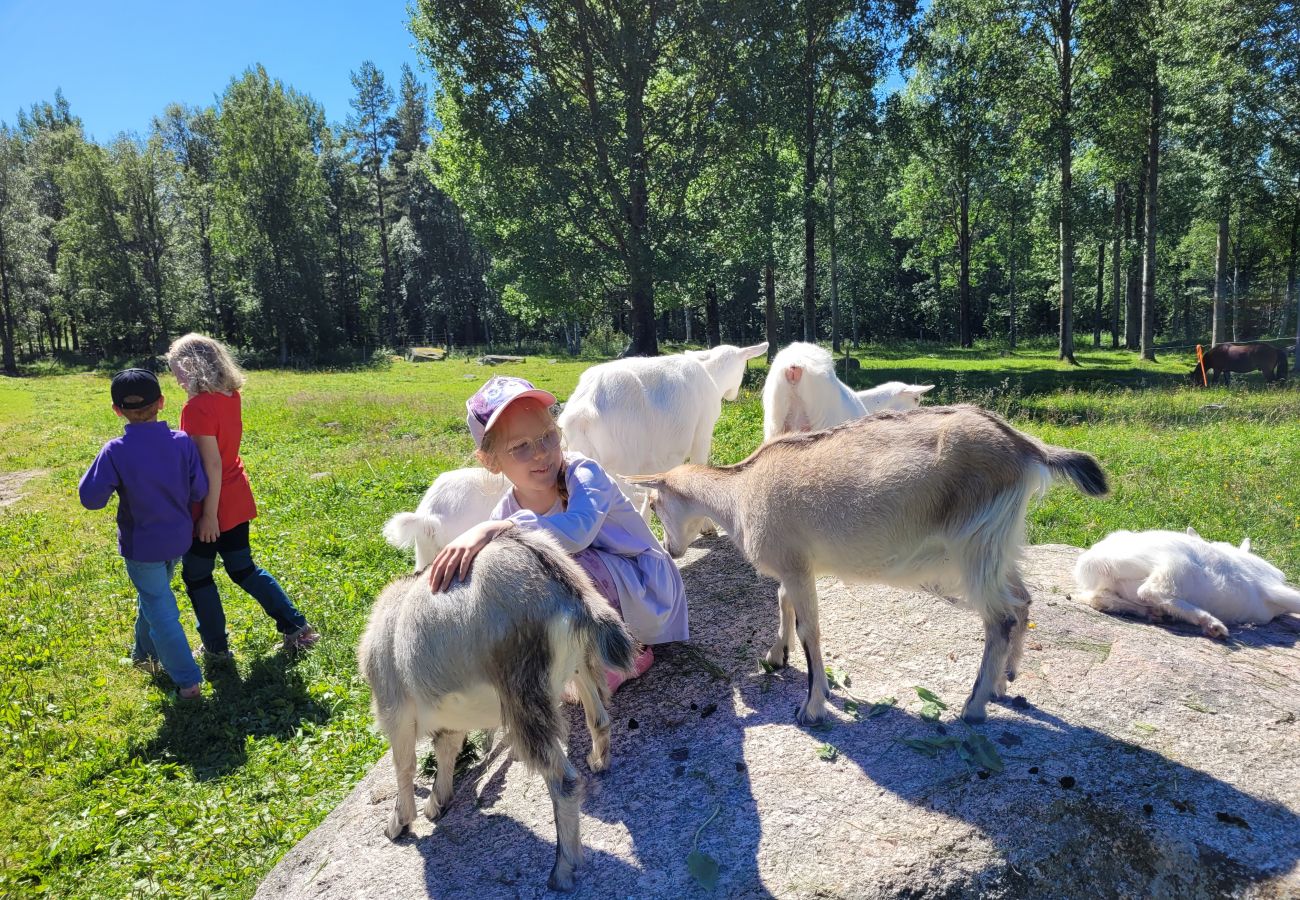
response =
{"points": [[1081, 468], [611, 642], [1286, 597], [405, 529]]}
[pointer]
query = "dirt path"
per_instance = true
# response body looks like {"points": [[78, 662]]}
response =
{"points": [[11, 484]]}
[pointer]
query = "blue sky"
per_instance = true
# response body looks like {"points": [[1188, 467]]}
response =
{"points": [[120, 62]]}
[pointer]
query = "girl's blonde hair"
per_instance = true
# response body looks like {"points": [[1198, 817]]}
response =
{"points": [[206, 363]]}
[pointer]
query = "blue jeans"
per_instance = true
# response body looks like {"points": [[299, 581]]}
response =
{"points": [[196, 571], [158, 631]]}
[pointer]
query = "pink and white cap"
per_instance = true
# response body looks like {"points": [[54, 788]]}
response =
{"points": [[485, 407]]}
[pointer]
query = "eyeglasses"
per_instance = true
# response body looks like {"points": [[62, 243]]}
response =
{"points": [[526, 451]]}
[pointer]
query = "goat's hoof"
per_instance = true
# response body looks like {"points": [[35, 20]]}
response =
{"points": [[973, 716], [778, 657], [395, 827], [1215, 629], [809, 718], [561, 878], [433, 810], [598, 762]]}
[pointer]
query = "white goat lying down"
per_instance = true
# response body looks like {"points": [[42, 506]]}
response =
{"points": [[895, 395], [496, 649], [1184, 576], [932, 498], [649, 414], [455, 502], [801, 393]]}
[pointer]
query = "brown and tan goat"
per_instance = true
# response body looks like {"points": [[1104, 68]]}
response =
{"points": [[931, 498], [495, 650]]}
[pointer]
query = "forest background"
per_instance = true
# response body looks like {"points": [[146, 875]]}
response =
{"points": [[1117, 172]]}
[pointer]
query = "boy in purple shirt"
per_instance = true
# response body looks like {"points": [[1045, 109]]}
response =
{"points": [[157, 474]]}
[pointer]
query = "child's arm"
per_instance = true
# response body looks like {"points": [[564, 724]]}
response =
{"points": [[99, 482], [591, 497], [211, 457], [198, 478], [455, 559]]}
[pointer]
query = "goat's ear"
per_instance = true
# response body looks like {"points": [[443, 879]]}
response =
{"points": [[754, 351], [919, 389], [654, 482], [1192, 532], [1245, 545]]}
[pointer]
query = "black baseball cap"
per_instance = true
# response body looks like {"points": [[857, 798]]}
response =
{"points": [[135, 389]]}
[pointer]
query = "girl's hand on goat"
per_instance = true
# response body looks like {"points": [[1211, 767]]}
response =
{"points": [[208, 530], [455, 559]]}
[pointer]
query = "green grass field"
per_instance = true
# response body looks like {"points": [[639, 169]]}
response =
{"points": [[110, 787]]}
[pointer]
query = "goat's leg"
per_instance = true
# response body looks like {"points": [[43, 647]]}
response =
{"points": [[998, 627], [1158, 592], [402, 738], [779, 656], [1020, 593], [566, 799], [446, 747], [801, 595], [589, 680]]}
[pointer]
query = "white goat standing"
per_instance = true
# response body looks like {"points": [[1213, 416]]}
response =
{"points": [[455, 502], [932, 498], [496, 649], [802, 393], [1184, 576], [649, 414]]}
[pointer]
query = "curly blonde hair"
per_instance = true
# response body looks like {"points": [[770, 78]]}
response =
{"points": [[206, 364]]}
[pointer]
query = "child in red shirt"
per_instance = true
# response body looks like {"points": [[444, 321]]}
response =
{"points": [[212, 417]]}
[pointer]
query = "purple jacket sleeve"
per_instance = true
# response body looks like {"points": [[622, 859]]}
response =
{"points": [[590, 499], [198, 478], [99, 482]]}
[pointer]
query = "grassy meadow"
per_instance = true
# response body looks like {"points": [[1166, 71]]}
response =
{"points": [[111, 787]]}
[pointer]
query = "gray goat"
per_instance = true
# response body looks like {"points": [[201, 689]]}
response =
{"points": [[495, 650], [932, 498]]}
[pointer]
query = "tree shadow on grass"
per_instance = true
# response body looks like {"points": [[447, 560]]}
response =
{"points": [[210, 736]]}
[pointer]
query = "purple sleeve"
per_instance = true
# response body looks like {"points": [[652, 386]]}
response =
{"points": [[198, 478], [590, 500], [99, 482]]}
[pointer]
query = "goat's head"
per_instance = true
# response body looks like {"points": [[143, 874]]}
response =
{"points": [[726, 365], [681, 516]]}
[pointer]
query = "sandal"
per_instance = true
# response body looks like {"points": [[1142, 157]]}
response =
{"points": [[193, 692]]}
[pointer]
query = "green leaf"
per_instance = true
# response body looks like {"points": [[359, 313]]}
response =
{"points": [[979, 750], [828, 752], [930, 711], [703, 868], [930, 697], [934, 745], [881, 706]]}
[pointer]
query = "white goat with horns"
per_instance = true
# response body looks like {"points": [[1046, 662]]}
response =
{"points": [[932, 498]]}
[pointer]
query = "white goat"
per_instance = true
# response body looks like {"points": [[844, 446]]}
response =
{"points": [[496, 649], [1184, 576], [932, 498], [802, 393], [895, 395], [455, 502], [649, 414]]}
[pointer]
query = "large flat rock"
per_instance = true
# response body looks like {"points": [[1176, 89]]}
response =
{"points": [[1143, 761]]}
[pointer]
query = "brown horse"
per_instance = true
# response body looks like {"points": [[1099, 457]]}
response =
{"points": [[1222, 360]]}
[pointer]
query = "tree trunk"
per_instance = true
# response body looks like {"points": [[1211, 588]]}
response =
{"points": [[1101, 295], [72, 327], [1117, 234], [810, 178], [713, 326], [1012, 291], [1149, 226], [1133, 273], [937, 275], [1219, 329], [769, 308], [963, 275], [830, 224], [1293, 297], [640, 253], [1236, 270], [1064, 54], [7, 319]]}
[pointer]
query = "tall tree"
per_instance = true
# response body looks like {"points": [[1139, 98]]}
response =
{"points": [[371, 128], [23, 242]]}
